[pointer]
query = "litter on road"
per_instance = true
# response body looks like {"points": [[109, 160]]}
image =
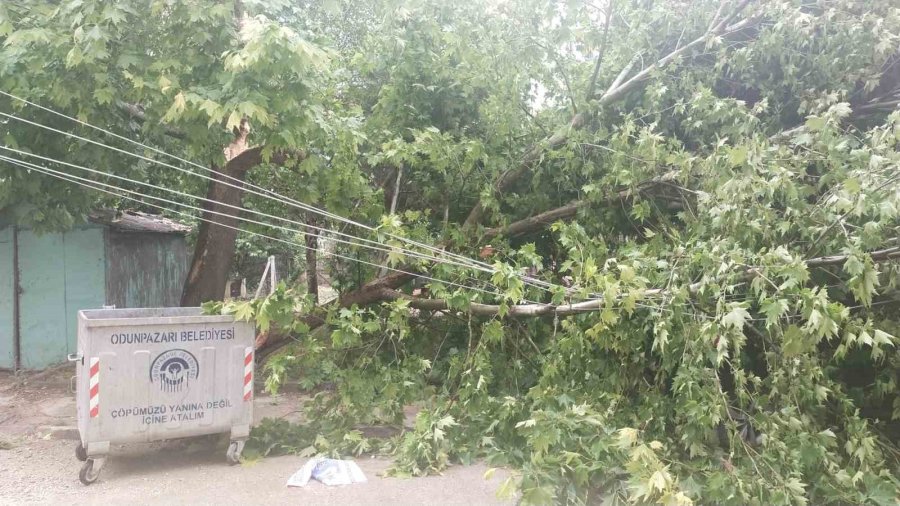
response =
{"points": [[328, 471]]}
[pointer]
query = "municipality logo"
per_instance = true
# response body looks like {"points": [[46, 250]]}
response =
{"points": [[174, 370]]}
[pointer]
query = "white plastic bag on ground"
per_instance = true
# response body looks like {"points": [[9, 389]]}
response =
{"points": [[328, 471]]}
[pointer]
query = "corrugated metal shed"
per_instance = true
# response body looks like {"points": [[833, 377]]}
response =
{"points": [[125, 259]]}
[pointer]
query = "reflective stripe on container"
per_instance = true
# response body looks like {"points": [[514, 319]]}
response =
{"points": [[95, 387], [248, 374]]}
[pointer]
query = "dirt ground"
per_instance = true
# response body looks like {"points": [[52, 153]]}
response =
{"points": [[38, 465]]}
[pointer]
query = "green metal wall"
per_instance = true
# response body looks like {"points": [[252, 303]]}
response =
{"points": [[85, 277], [42, 300], [87, 267], [7, 325], [58, 275]]}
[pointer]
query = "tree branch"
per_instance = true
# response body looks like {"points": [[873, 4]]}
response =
{"points": [[618, 92], [493, 309], [394, 197], [593, 82], [251, 157], [535, 153], [531, 157], [384, 289], [537, 221], [877, 256], [136, 112], [568, 211], [623, 73]]}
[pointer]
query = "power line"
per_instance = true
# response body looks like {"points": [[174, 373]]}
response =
{"points": [[236, 217], [378, 246], [266, 192], [543, 285], [96, 185]]}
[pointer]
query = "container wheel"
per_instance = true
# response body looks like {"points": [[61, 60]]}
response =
{"points": [[88, 475], [80, 452], [233, 455]]}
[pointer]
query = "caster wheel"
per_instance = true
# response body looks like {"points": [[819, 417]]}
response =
{"points": [[80, 452], [233, 455], [88, 475]]}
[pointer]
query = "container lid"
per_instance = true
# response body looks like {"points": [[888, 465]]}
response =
{"points": [[149, 316]]}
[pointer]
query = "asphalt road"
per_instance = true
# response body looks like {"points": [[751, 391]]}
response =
{"points": [[38, 465]]}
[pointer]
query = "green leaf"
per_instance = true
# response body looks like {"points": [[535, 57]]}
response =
{"points": [[815, 123], [737, 155], [243, 311], [736, 317], [176, 109], [234, 121], [795, 342], [774, 309]]}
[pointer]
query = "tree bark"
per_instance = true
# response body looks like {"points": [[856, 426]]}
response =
{"points": [[881, 255], [218, 231], [215, 246], [384, 289], [312, 268], [493, 309], [566, 212]]}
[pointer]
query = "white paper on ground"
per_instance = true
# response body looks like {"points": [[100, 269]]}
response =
{"points": [[329, 472]]}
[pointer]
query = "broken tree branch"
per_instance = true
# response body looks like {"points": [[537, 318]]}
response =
{"points": [[493, 309], [616, 93], [536, 152], [537, 221], [136, 112], [531, 157], [566, 212], [623, 73], [385, 289], [877, 256]]}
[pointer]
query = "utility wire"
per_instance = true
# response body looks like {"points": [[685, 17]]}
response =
{"points": [[266, 192], [242, 184], [236, 217], [375, 245], [96, 185], [543, 285]]}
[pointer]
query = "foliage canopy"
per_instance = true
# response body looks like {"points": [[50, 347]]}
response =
{"points": [[722, 177]]}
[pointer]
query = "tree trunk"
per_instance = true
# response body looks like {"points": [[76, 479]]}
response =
{"points": [[312, 273], [384, 270], [216, 237], [215, 247], [218, 231]]}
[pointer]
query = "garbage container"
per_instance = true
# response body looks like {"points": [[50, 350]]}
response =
{"points": [[155, 374]]}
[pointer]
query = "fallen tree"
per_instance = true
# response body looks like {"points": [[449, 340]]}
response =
{"points": [[688, 214], [697, 309]]}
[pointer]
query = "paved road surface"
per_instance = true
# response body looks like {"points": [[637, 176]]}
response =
{"points": [[40, 467]]}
